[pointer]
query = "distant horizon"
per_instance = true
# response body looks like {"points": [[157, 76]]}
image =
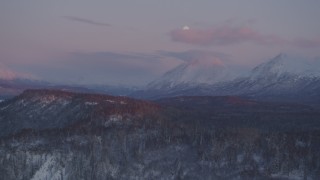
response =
{"points": [[242, 71], [133, 43]]}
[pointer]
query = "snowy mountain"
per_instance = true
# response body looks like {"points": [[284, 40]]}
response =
{"points": [[194, 73], [283, 77], [286, 65]]}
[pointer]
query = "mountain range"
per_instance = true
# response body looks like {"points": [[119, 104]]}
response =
{"points": [[283, 78]]}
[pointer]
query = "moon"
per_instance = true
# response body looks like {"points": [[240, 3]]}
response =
{"points": [[186, 28]]}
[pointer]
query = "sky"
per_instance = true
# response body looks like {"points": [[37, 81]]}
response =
{"points": [[125, 42]]}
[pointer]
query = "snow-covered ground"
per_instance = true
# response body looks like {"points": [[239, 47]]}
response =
{"points": [[49, 170], [91, 103]]}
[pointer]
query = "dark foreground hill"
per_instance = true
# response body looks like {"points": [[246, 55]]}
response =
{"points": [[48, 134]]}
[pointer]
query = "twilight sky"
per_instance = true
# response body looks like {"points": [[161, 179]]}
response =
{"points": [[133, 42]]}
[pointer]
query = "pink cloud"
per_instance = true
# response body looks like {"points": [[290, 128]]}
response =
{"points": [[224, 35]]}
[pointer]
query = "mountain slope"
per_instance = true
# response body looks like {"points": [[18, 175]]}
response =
{"points": [[286, 65], [46, 109], [193, 73], [283, 78]]}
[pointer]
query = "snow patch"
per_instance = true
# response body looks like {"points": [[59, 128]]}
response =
{"points": [[48, 99], [113, 119], [22, 102], [91, 103], [257, 158], [300, 143], [50, 169], [64, 102], [110, 101], [5, 107]]}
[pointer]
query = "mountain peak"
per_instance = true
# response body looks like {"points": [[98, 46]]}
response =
{"points": [[279, 59], [284, 64], [193, 73], [281, 55]]}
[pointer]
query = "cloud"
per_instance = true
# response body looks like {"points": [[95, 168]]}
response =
{"points": [[86, 21], [223, 35]]}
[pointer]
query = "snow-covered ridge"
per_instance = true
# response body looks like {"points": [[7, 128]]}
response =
{"points": [[210, 72], [193, 73], [284, 64], [285, 76], [50, 169], [90, 103]]}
